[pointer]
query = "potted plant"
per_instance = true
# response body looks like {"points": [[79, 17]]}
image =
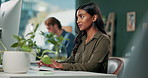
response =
{"points": [[15, 61], [19, 61]]}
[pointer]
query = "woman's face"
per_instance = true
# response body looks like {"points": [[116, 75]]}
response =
{"points": [[84, 20]]}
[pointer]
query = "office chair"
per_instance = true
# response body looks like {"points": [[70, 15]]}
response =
{"points": [[67, 28], [115, 65]]}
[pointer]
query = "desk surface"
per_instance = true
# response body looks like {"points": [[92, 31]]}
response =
{"points": [[57, 74]]}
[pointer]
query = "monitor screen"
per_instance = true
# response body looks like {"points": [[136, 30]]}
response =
{"points": [[10, 20]]}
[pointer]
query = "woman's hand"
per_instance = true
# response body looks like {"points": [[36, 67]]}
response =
{"points": [[56, 64], [40, 63], [53, 65]]}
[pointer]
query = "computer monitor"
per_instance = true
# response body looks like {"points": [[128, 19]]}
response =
{"points": [[10, 13]]}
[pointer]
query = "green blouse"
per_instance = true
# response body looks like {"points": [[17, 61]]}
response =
{"points": [[92, 56]]}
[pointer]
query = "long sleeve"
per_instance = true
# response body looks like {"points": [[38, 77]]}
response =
{"points": [[92, 59], [69, 59]]}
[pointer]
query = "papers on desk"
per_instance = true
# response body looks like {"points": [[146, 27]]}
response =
{"points": [[42, 68], [34, 62]]}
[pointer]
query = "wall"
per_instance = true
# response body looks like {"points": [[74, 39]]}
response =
{"points": [[121, 7]]}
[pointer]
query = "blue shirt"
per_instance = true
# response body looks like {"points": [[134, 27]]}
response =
{"points": [[69, 44]]}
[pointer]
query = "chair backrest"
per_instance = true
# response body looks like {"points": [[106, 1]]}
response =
{"points": [[115, 65], [67, 28]]}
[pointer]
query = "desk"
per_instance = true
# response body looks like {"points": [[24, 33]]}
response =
{"points": [[57, 74]]}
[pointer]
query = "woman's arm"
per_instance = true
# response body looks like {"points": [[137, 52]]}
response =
{"points": [[101, 50], [93, 64]]}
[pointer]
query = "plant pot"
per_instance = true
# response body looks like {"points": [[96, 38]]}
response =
{"points": [[16, 62]]}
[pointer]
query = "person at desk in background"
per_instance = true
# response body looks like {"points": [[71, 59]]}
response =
{"points": [[92, 43], [53, 25]]}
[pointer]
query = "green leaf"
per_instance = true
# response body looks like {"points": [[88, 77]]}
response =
{"points": [[36, 27], [14, 45], [42, 33], [38, 50], [30, 33], [52, 41], [26, 48], [32, 36], [16, 37], [46, 59], [50, 51], [47, 51]]}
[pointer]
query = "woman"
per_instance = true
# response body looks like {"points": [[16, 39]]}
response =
{"points": [[92, 43]]}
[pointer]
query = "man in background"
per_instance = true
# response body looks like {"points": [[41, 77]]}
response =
{"points": [[53, 25]]}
